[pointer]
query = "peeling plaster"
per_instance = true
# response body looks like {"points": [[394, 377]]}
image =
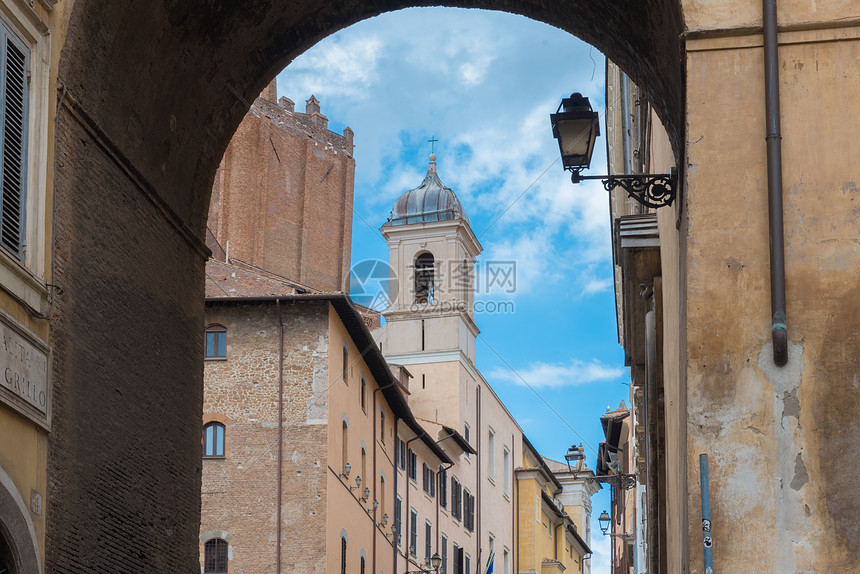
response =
{"points": [[800, 475], [791, 468]]}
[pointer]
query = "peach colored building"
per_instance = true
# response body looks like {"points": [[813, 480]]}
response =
{"points": [[301, 419]]}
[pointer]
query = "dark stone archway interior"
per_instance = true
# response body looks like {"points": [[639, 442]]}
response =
{"points": [[155, 90]]}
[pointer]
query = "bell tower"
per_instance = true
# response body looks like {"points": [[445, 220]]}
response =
{"points": [[432, 251]]}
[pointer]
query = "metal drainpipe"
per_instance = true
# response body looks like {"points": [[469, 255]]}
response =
{"points": [[394, 500], [376, 390], [774, 185], [439, 472], [478, 462], [408, 511], [280, 425]]}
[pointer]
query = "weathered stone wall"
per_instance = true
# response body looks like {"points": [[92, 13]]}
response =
{"points": [[240, 490], [124, 450]]}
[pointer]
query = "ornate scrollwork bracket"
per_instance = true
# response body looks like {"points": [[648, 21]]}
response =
{"points": [[649, 189], [624, 481]]}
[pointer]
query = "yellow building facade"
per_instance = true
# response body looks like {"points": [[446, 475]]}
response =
{"points": [[32, 36], [548, 535]]}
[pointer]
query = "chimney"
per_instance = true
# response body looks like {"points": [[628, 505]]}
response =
{"points": [[271, 91], [288, 104], [312, 106]]}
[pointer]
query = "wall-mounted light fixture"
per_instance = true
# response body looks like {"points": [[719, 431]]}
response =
{"points": [[357, 483], [345, 474], [604, 521], [576, 127], [435, 563], [575, 453]]}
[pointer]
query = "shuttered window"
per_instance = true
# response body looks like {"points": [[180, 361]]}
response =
{"points": [[14, 88]]}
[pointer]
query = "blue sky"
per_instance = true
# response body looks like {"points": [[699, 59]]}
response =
{"points": [[484, 83]]}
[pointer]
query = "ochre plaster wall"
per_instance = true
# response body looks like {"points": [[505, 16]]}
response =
{"points": [[779, 439]]}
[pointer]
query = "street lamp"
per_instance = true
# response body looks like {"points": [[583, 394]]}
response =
{"points": [[575, 125], [435, 563], [574, 455], [604, 519]]}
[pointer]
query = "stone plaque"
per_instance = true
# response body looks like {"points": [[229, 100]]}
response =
{"points": [[24, 372]]}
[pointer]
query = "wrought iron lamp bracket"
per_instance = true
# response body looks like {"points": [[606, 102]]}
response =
{"points": [[624, 481], [650, 189]]}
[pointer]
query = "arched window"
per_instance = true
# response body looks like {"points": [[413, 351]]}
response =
{"points": [[363, 394], [213, 440], [342, 553], [216, 342], [424, 269], [215, 560]]}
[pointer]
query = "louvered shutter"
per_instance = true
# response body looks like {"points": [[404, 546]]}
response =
{"points": [[14, 88]]}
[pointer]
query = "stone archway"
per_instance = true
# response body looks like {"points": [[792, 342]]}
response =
{"points": [[154, 91]]}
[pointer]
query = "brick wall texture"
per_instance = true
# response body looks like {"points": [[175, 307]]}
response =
{"points": [[282, 197], [124, 451], [239, 493]]}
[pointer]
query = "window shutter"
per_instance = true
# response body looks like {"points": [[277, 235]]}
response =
{"points": [[14, 96]]}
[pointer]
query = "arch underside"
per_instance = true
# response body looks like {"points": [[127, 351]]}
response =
{"points": [[169, 82], [154, 92]]}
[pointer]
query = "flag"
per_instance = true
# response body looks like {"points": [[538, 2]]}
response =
{"points": [[490, 563]]}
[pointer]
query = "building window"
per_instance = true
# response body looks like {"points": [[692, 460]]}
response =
{"points": [[468, 511], [428, 541], [363, 462], [506, 561], [444, 554], [345, 366], [401, 454], [491, 454], [398, 519], [506, 461], [413, 532], [467, 563], [343, 555], [458, 560], [467, 432], [216, 342], [424, 283], [413, 464], [14, 100], [213, 440], [456, 498], [215, 556], [362, 564], [382, 424], [363, 394], [429, 480], [492, 544], [443, 488]]}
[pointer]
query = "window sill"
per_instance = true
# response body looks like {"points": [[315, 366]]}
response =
{"points": [[214, 358], [492, 479], [507, 496], [21, 284], [221, 457]]}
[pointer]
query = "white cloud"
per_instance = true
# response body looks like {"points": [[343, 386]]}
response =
{"points": [[555, 375], [342, 65], [601, 557], [596, 285]]}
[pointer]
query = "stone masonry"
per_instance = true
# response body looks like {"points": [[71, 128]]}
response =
{"points": [[240, 489]]}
